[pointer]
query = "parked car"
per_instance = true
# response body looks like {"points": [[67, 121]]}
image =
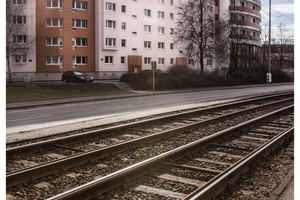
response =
{"points": [[76, 77]]}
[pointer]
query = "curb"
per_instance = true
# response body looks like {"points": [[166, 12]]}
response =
{"points": [[278, 191]]}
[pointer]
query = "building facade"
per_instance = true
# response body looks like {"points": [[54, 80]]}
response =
{"points": [[245, 21], [111, 37]]}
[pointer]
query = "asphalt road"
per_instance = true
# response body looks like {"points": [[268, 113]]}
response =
{"points": [[16, 120]]}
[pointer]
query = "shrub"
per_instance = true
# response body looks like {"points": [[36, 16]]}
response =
{"points": [[186, 77]]}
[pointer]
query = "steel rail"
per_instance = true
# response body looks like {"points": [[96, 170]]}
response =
{"points": [[21, 176], [50, 144], [106, 183], [219, 183]]}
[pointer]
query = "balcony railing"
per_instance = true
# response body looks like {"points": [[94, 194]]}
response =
{"points": [[244, 9], [245, 23], [244, 37]]}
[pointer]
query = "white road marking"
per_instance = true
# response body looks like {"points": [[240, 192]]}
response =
{"points": [[29, 118]]}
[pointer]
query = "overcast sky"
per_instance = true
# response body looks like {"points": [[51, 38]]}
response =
{"points": [[282, 11]]}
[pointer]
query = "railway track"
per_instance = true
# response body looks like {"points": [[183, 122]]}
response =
{"points": [[192, 171], [142, 136]]}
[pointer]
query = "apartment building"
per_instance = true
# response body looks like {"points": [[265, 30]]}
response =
{"points": [[20, 38], [245, 20], [132, 34], [65, 37], [107, 38]]}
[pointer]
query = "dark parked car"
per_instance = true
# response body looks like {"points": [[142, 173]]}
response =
{"points": [[76, 76]]}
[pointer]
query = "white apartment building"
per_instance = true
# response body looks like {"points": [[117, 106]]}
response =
{"points": [[131, 34], [20, 36]]}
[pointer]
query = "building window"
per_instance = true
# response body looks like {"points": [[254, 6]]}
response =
{"points": [[216, 16], [242, 31], [161, 61], [147, 29], [160, 1], [123, 43], [232, 16], [123, 25], [82, 42], [80, 5], [171, 61], [216, 2], [123, 60], [20, 58], [134, 49], [171, 16], [147, 13], [171, 2], [254, 33], [253, 20], [232, 2], [19, 19], [171, 31], [79, 23], [54, 22], [123, 9], [54, 41], [147, 44], [19, 2], [160, 14], [172, 46], [147, 60], [161, 46], [80, 60], [110, 7], [208, 62], [134, 33], [54, 4], [161, 30], [110, 42], [54, 60], [242, 4], [242, 17], [253, 7], [134, 16], [19, 39], [109, 59], [190, 62], [110, 24]]}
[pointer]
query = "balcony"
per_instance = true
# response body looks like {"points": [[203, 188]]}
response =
{"points": [[245, 23], [244, 37], [244, 9]]}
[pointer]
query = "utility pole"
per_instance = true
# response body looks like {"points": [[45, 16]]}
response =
{"points": [[269, 75], [153, 67]]}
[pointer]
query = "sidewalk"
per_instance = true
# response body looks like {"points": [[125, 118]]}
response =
{"points": [[122, 86]]}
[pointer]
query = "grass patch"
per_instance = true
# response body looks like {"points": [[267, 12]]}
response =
{"points": [[21, 93]]}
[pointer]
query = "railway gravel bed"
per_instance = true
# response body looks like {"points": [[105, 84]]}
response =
{"points": [[67, 179]]}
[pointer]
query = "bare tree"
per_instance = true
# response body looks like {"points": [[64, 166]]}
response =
{"points": [[18, 41], [264, 37], [283, 48], [195, 30], [221, 47]]}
